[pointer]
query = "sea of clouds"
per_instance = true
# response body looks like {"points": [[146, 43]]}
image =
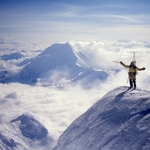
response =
{"points": [[56, 108]]}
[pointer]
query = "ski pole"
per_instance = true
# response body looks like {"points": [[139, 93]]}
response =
{"points": [[116, 61]]}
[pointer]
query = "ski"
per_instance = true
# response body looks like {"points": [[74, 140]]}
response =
{"points": [[130, 89]]}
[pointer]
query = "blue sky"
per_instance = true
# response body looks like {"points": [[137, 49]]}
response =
{"points": [[65, 20]]}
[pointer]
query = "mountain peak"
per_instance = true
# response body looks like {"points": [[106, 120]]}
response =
{"points": [[30, 127], [56, 57], [60, 54], [57, 65], [120, 120]]}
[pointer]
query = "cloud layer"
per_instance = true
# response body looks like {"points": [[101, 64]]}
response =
{"points": [[57, 108]]}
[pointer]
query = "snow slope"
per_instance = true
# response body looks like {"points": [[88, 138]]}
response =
{"points": [[118, 121]]}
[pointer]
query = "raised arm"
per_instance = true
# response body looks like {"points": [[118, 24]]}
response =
{"points": [[126, 66], [140, 69]]}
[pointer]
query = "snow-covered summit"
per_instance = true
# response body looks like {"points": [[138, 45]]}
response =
{"points": [[57, 63], [55, 57], [118, 121]]}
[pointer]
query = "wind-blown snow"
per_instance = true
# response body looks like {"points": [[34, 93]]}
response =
{"points": [[120, 120]]}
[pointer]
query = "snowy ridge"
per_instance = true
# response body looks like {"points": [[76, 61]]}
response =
{"points": [[120, 120]]}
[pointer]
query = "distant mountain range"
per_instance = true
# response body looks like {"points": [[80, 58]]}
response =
{"points": [[59, 60]]}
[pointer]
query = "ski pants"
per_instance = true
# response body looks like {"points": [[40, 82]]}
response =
{"points": [[132, 79]]}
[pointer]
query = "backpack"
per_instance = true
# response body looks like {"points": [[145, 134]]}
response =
{"points": [[134, 67]]}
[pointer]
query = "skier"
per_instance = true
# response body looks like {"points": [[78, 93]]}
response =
{"points": [[132, 72]]}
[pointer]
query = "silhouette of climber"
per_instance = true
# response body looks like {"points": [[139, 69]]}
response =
{"points": [[132, 72]]}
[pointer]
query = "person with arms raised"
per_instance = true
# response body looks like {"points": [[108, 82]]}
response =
{"points": [[132, 72]]}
